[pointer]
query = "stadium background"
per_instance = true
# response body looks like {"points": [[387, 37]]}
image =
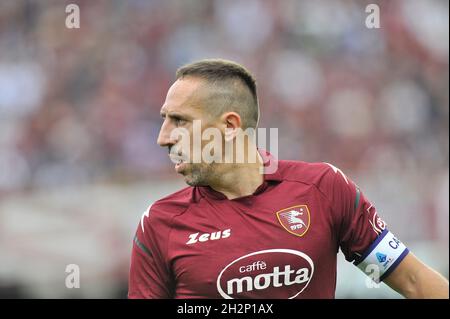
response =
{"points": [[79, 117]]}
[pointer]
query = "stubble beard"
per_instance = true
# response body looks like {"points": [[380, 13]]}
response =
{"points": [[199, 174]]}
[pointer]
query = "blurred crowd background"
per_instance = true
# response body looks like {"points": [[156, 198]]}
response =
{"points": [[79, 117]]}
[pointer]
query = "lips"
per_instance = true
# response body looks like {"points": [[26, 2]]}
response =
{"points": [[180, 162], [179, 167]]}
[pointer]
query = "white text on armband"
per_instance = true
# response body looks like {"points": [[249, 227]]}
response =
{"points": [[385, 253]]}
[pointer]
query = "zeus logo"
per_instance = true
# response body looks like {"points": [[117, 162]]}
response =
{"points": [[194, 238]]}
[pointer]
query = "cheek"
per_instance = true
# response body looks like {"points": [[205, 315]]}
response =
{"points": [[198, 168]]}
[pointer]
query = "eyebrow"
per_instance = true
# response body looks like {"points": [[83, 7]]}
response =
{"points": [[175, 115]]}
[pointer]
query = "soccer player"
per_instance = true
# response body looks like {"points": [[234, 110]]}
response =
{"points": [[235, 232]]}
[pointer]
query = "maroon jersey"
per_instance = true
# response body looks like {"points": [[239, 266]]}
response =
{"points": [[280, 242]]}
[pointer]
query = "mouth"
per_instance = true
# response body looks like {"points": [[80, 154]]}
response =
{"points": [[179, 161], [180, 167]]}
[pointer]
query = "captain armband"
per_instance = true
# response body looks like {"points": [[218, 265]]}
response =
{"points": [[383, 256]]}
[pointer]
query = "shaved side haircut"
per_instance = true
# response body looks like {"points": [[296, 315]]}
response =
{"points": [[229, 87]]}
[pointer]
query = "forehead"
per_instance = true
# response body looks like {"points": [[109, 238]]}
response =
{"points": [[183, 95]]}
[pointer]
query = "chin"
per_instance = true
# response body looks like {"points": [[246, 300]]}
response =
{"points": [[195, 175], [190, 182], [193, 180]]}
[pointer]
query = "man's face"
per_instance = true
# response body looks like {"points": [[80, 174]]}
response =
{"points": [[182, 106]]}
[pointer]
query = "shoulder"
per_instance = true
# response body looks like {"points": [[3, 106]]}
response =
{"points": [[161, 212], [339, 191], [325, 177], [176, 202], [319, 174]]}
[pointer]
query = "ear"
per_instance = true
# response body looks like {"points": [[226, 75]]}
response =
{"points": [[232, 122]]}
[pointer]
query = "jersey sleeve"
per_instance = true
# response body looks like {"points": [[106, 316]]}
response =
{"points": [[149, 275], [362, 234]]}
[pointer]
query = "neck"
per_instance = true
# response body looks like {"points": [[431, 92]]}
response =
{"points": [[239, 180]]}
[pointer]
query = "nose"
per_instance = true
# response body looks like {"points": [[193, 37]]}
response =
{"points": [[164, 138]]}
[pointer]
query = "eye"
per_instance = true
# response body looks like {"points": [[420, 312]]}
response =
{"points": [[179, 121]]}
